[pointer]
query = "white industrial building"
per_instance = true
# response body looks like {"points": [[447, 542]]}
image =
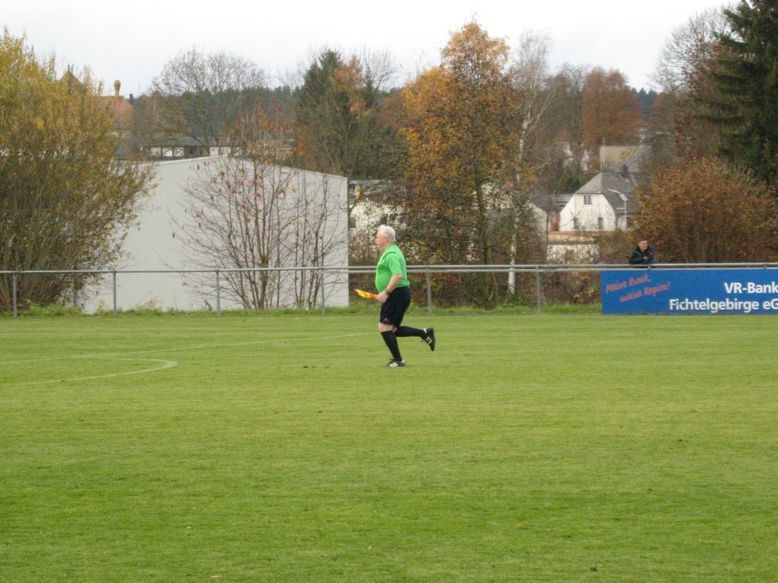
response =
{"points": [[310, 229]]}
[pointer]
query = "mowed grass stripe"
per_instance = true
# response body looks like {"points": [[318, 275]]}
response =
{"points": [[559, 448]]}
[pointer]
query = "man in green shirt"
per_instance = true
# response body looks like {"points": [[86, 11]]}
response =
{"points": [[394, 293]]}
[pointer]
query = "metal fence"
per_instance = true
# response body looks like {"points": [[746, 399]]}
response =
{"points": [[362, 275]]}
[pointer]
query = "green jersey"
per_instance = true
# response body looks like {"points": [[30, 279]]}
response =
{"points": [[391, 262]]}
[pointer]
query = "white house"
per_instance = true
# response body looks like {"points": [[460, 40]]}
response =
{"points": [[312, 210], [605, 203]]}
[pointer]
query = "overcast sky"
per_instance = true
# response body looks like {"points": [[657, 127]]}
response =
{"points": [[132, 41]]}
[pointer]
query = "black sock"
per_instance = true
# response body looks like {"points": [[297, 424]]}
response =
{"points": [[391, 342], [408, 331]]}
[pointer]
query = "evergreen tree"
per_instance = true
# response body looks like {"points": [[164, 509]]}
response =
{"points": [[344, 119], [746, 79], [323, 116], [646, 100]]}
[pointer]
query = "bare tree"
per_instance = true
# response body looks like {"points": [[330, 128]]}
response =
{"points": [[234, 209], [688, 50], [248, 212], [379, 68], [313, 236], [679, 127], [535, 153], [529, 73], [201, 96]]}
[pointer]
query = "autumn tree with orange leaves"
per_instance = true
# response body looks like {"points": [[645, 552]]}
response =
{"points": [[461, 134], [705, 210], [610, 111], [65, 201]]}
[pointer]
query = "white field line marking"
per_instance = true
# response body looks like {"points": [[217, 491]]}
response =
{"points": [[165, 365]]}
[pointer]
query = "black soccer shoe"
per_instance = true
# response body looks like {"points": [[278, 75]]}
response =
{"points": [[395, 363], [429, 338]]}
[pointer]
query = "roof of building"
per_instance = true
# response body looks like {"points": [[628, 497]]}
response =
{"points": [[119, 108], [613, 187]]}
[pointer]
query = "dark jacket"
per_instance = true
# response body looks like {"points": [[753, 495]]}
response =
{"points": [[639, 257]]}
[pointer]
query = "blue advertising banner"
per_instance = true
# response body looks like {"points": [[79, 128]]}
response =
{"points": [[689, 291]]}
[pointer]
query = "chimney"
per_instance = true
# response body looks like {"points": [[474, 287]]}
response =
{"points": [[117, 87]]}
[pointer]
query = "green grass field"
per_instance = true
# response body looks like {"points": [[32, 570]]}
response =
{"points": [[278, 448]]}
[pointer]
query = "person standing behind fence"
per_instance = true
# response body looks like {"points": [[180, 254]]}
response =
{"points": [[643, 254], [394, 293]]}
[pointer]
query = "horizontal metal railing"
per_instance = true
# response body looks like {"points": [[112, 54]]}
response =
{"points": [[428, 270]]}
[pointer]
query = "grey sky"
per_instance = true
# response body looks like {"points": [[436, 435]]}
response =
{"points": [[132, 41]]}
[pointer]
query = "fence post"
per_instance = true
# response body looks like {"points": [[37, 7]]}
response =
{"points": [[114, 292], [429, 291], [323, 306], [537, 287], [16, 311], [218, 295]]}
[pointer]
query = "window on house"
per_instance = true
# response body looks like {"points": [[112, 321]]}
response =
{"points": [[576, 224], [600, 224], [587, 199]]}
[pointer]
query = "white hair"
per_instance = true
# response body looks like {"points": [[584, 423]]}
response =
{"points": [[388, 231]]}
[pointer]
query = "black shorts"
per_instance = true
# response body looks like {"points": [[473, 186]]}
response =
{"points": [[393, 309]]}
